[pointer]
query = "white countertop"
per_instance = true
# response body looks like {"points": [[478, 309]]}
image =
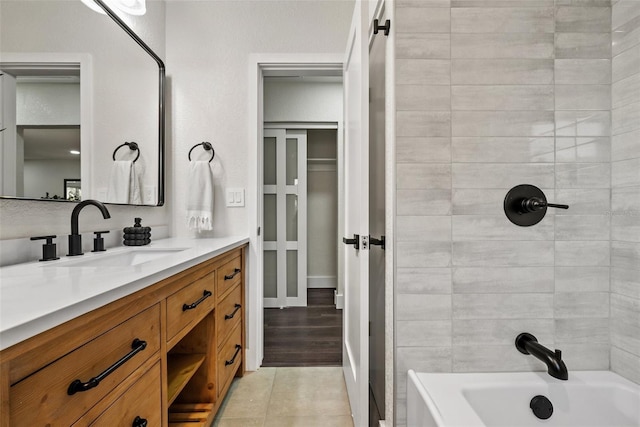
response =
{"points": [[38, 296]]}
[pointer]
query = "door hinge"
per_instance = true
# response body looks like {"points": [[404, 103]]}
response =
{"points": [[369, 328], [386, 27], [258, 231]]}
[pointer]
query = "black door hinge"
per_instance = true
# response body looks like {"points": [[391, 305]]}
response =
{"points": [[386, 27]]}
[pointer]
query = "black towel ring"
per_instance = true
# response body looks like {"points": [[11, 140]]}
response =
{"points": [[207, 146], [132, 146]]}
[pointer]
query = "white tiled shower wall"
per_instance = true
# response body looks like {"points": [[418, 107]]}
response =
{"points": [[625, 190], [491, 94]]}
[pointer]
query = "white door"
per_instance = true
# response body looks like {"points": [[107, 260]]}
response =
{"points": [[285, 218], [355, 358]]}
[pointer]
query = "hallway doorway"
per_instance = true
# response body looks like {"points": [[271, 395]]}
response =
{"points": [[300, 217], [302, 325]]}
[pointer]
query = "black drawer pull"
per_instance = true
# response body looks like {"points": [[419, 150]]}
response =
{"points": [[205, 295], [78, 386], [233, 359], [233, 313], [232, 275], [139, 422]]}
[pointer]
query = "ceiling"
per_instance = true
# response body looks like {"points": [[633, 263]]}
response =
{"points": [[52, 143]]}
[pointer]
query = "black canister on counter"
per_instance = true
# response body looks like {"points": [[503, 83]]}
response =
{"points": [[137, 235]]}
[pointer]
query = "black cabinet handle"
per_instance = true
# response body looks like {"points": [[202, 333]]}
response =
{"points": [[78, 386], [139, 422], [233, 313], [205, 295], [232, 275], [233, 359]]}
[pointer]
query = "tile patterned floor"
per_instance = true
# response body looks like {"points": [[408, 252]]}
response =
{"points": [[287, 397]]}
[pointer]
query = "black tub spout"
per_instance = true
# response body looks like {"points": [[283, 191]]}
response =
{"points": [[528, 344]]}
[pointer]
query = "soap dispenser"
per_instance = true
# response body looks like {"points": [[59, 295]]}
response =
{"points": [[137, 235]]}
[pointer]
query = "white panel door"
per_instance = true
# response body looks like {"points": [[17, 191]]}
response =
{"points": [[285, 218], [356, 261]]}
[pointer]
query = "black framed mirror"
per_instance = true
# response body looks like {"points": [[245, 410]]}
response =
{"points": [[118, 88]]}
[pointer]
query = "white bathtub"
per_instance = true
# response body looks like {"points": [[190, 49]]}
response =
{"points": [[587, 399]]}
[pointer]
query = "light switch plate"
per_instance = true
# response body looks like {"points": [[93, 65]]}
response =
{"points": [[102, 194], [235, 197], [149, 195]]}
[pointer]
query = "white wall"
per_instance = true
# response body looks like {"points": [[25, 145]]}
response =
{"points": [[41, 176], [208, 69], [488, 98], [625, 190], [303, 101], [47, 104]]}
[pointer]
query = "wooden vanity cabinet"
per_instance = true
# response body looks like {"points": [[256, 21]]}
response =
{"points": [[177, 345]]}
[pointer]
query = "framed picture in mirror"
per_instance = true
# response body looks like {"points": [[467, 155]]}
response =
{"points": [[72, 190]]}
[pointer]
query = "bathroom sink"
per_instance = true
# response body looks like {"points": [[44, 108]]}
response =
{"points": [[122, 259]]}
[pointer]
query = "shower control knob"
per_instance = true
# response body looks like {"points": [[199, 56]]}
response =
{"points": [[535, 204], [525, 205]]}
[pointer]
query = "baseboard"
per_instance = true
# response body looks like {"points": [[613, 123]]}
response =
{"points": [[338, 299], [314, 282]]}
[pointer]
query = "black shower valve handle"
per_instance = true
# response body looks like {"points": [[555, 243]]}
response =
{"points": [[526, 205], [535, 204], [555, 205]]}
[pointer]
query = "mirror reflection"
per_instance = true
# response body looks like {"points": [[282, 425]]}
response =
{"points": [[74, 87], [47, 134]]}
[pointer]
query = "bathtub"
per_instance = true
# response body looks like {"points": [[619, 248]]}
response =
{"points": [[587, 399]]}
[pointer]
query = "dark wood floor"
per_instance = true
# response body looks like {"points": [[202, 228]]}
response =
{"points": [[304, 336]]}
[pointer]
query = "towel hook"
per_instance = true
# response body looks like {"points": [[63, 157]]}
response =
{"points": [[132, 146], [207, 146]]}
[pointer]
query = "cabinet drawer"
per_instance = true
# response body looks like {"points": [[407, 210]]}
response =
{"points": [[143, 400], [229, 357], [43, 398], [229, 275], [190, 304], [229, 313]]}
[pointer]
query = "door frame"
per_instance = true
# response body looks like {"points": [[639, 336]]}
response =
{"points": [[261, 65], [381, 8]]}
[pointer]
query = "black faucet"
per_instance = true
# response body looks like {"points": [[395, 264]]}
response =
{"points": [[528, 344], [75, 239]]}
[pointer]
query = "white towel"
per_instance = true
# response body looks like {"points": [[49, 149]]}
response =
{"points": [[124, 183], [200, 196]]}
